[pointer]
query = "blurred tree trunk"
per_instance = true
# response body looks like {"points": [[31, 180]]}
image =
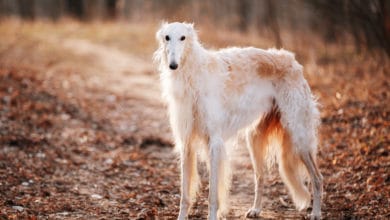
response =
{"points": [[52, 9], [383, 19], [127, 12], [111, 8], [367, 21], [244, 7], [8, 7], [170, 9], [75, 8], [123, 9], [94, 9], [27, 9], [354, 28], [216, 10], [272, 22], [371, 20], [57, 8]]}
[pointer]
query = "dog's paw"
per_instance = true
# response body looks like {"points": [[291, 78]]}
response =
{"points": [[253, 213], [313, 216], [222, 215], [182, 214]]}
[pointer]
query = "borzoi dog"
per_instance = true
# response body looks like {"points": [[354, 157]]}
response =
{"points": [[211, 95]]}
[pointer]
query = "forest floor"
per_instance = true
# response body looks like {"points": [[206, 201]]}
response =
{"points": [[84, 133]]}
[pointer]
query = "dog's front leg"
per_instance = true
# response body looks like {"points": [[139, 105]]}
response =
{"points": [[188, 179], [181, 119], [217, 152]]}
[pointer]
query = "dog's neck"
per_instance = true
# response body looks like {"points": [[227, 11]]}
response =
{"points": [[196, 57]]}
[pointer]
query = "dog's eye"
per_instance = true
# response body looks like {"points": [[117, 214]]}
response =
{"points": [[167, 38], [182, 38]]}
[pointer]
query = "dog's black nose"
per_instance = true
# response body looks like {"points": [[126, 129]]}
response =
{"points": [[173, 66]]}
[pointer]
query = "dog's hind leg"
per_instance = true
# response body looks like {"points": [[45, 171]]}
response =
{"points": [[300, 119], [295, 159], [256, 144], [316, 180], [189, 179], [291, 171]]}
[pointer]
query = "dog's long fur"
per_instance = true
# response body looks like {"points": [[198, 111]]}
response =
{"points": [[211, 95]]}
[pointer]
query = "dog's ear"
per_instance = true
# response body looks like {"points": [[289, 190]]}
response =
{"points": [[191, 29], [190, 26], [159, 33]]}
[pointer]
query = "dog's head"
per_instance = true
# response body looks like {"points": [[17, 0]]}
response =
{"points": [[175, 40]]}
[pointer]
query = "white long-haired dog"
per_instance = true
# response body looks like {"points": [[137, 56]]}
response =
{"points": [[211, 95]]}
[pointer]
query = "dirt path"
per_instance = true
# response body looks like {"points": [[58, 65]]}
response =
{"points": [[121, 72]]}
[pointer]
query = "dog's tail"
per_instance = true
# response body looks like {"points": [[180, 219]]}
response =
{"points": [[299, 117], [289, 130], [279, 149], [293, 173]]}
